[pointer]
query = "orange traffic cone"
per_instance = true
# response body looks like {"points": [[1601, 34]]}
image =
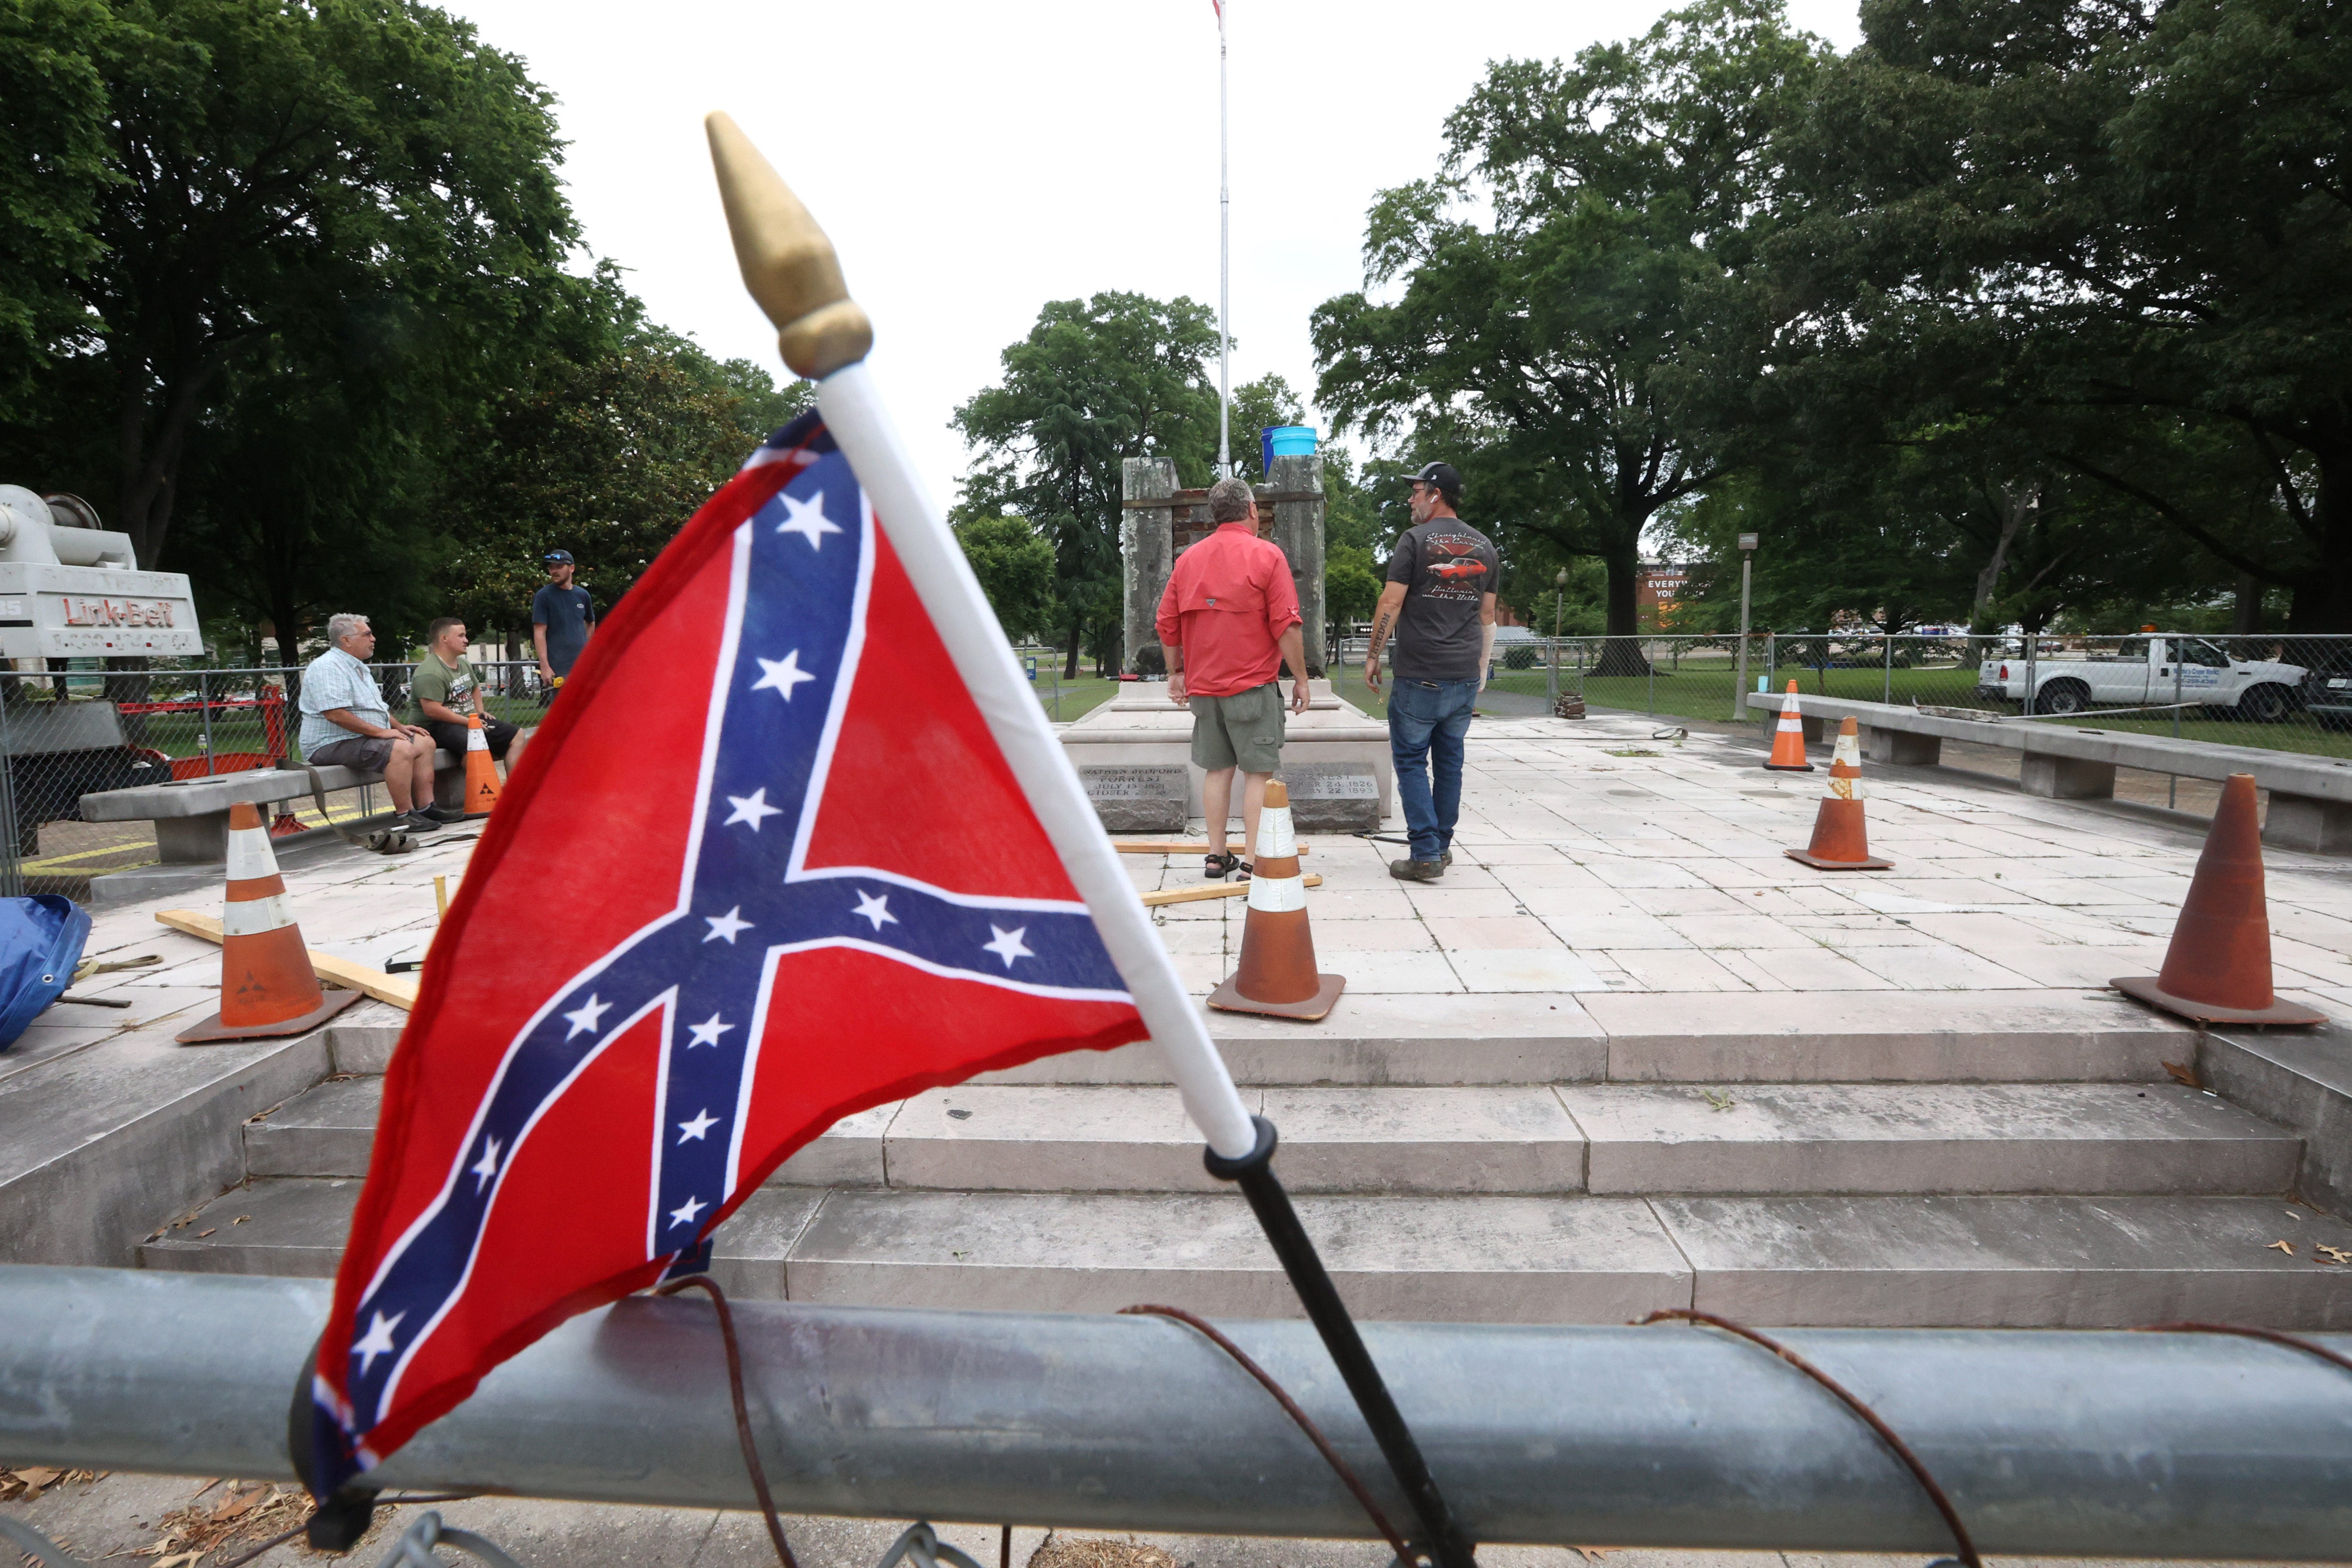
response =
{"points": [[482, 769], [1788, 739], [2217, 969], [268, 987], [1277, 975], [1840, 842]]}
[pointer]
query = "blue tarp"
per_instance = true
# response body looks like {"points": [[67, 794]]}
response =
{"points": [[41, 939]]}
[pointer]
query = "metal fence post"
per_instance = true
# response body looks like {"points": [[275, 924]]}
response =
{"points": [[1886, 658], [11, 870], [2172, 780], [1651, 665], [2029, 704], [205, 706], [1551, 674]]}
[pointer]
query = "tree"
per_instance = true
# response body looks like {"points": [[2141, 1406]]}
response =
{"points": [[1258, 406], [1536, 349], [1015, 569], [310, 179], [1095, 382], [53, 164], [2121, 227], [606, 458]]}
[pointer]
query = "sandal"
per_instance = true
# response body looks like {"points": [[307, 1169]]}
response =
{"points": [[1221, 868]]}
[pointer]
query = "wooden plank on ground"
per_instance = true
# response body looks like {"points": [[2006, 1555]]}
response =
{"points": [[400, 991], [1147, 847], [1211, 890]]}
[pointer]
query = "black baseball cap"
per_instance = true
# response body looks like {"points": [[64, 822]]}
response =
{"points": [[1441, 478], [563, 557]]}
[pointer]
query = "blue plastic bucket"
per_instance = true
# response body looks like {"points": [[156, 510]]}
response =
{"points": [[1285, 441]]}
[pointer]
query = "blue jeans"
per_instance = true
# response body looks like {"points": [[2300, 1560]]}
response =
{"points": [[1427, 722]]}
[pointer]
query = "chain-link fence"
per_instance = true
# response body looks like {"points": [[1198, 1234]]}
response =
{"points": [[82, 728], [2278, 692]]}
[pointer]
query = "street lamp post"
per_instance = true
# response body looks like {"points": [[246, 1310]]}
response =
{"points": [[1746, 574]]}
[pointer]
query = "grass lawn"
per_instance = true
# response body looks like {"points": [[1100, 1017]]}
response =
{"points": [[1072, 699]]}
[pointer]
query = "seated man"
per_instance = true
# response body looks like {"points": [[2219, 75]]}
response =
{"points": [[445, 691], [345, 724]]}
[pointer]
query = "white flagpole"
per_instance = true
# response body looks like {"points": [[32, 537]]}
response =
{"points": [[1224, 268]]}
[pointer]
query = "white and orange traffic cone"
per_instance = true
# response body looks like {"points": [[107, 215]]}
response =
{"points": [[268, 987], [1277, 975], [482, 769], [1840, 842], [1788, 738]]}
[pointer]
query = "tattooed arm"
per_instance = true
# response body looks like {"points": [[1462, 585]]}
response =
{"points": [[1384, 620]]}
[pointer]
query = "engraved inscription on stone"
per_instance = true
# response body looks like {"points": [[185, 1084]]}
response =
{"points": [[1145, 800], [1333, 797]]}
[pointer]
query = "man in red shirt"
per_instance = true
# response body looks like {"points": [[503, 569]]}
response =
{"points": [[1229, 622]]}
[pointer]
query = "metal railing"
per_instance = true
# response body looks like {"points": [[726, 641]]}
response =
{"points": [[2048, 1443], [70, 732]]}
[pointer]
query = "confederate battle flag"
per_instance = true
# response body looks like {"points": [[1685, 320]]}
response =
{"points": [[764, 866]]}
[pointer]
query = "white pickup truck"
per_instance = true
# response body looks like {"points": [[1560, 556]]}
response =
{"points": [[2145, 672]]}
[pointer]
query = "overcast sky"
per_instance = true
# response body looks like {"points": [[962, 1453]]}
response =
{"points": [[973, 162]]}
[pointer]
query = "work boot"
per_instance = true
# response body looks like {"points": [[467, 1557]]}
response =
{"points": [[1416, 871]]}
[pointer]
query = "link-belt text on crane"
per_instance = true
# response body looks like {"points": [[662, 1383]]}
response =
{"points": [[117, 612]]}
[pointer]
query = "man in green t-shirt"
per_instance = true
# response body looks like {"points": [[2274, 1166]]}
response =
{"points": [[444, 693]]}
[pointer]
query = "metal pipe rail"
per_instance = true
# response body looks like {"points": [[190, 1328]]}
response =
{"points": [[2050, 1443]]}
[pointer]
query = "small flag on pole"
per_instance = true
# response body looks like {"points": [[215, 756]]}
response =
{"points": [[764, 846], [794, 840]]}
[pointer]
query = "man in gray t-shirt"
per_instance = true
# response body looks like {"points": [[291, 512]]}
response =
{"points": [[1439, 603]]}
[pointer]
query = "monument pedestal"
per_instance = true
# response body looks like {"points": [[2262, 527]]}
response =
{"points": [[1335, 757]]}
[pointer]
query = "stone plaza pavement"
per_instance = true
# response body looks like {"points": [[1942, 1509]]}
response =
{"points": [[120, 1515], [1592, 858], [1627, 1055]]}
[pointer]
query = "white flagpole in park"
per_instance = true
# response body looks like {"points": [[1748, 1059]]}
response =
{"points": [[790, 268], [1225, 267]]}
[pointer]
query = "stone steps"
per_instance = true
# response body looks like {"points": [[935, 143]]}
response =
{"points": [[1552, 1037], [1981, 1261], [1631, 1139]]}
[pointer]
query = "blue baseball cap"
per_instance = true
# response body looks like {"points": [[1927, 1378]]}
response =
{"points": [[557, 558]]}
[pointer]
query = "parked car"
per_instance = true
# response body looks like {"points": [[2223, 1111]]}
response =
{"points": [[2145, 671], [2327, 691]]}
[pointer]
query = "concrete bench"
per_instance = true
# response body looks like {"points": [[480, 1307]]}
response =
{"points": [[191, 815], [2311, 797]]}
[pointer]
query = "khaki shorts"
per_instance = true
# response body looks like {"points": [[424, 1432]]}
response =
{"points": [[1244, 730]]}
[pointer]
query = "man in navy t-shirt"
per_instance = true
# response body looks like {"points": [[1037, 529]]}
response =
{"points": [[561, 616]]}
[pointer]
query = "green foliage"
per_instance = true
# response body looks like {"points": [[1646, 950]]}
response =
{"points": [[1536, 348], [1352, 583], [2111, 233], [356, 184], [606, 457], [1015, 569], [1095, 382], [54, 164], [1258, 406], [286, 298]]}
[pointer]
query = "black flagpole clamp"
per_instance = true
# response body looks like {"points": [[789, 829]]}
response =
{"points": [[1443, 1537]]}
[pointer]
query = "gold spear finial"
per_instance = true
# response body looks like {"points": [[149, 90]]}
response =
{"points": [[788, 264]]}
